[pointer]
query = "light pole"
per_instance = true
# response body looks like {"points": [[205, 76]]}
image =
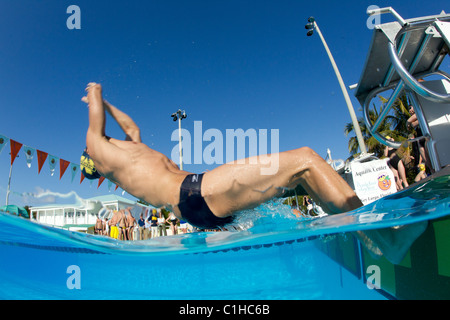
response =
{"points": [[8, 191], [311, 26], [179, 115]]}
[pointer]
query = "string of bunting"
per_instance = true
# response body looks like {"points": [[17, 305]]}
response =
{"points": [[42, 157]]}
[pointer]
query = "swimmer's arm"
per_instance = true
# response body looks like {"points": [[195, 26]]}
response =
{"points": [[125, 122]]}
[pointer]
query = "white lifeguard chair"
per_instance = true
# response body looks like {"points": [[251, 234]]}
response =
{"points": [[402, 55]]}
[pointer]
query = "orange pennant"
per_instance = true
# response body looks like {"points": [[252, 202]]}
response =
{"points": [[15, 148], [42, 156], [100, 181], [82, 178], [116, 187], [63, 164]]}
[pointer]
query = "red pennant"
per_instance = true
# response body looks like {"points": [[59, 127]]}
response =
{"points": [[82, 178], [100, 181], [116, 187], [15, 148], [42, 156], [63, 164]]}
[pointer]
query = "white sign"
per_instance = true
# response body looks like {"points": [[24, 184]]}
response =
{"points": [[372, 180]]}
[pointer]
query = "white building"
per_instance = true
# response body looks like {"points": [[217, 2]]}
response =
{"points": [[76, 217]]}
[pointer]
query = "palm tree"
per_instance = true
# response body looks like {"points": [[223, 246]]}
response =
{"points": [[372, 144], [392, 125], [401, 115]]}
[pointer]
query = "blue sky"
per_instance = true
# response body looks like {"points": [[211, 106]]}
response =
{"points": [[230, 64]]}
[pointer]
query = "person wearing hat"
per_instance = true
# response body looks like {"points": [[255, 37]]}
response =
{"points": [[153, 220], [87, 166], [422, 172]]}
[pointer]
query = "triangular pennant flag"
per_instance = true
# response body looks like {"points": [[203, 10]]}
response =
{"points": [[73, 169], [116, 187], [100, 181], [15, 147], [42, 156], [82, 177], [109, 185], [63, 164], [29, 153], [3, 141], [52, 162]]}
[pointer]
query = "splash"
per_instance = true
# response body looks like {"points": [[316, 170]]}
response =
{"points": [[269, 215]]}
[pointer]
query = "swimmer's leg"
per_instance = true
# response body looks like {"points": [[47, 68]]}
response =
{"points": [[402, 173], [393, 243], [236, 186]]}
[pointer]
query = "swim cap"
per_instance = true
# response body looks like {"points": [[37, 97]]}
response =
{"points": [[87, 167]]}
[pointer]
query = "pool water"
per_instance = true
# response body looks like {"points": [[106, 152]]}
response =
{"points": [[274, 256]]}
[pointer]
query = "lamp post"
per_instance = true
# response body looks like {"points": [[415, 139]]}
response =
{"points": [[8, 190], [311, 26], [179, 115]]}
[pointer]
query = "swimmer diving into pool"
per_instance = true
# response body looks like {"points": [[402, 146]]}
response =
{"points": [[209, 200], [206, 200]]}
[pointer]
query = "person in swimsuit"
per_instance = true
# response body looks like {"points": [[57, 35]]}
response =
{"points": [[105, 227], [172, 220], [114, 232], [130, 223], [396, 164], [122, 225], [419, 147], [209, 200], [99, 226]]}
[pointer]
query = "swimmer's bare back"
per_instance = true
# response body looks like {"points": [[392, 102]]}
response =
{"points": [[143, 172]]}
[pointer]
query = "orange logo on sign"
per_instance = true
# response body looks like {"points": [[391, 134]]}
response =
{"points": [[384, 182]]}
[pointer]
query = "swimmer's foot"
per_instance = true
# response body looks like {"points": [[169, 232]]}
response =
{"points": [[393, 243]]}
